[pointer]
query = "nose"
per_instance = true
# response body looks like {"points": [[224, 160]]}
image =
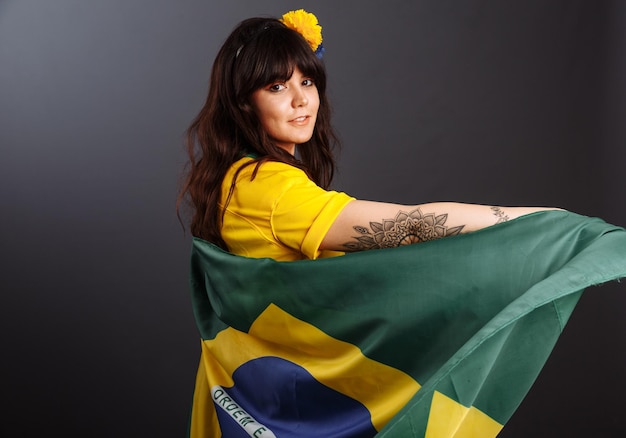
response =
{"points": [[299, 98]]}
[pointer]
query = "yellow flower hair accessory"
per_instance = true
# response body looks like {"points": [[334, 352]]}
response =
{"points": [[305, 23]]}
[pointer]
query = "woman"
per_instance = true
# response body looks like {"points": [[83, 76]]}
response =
{"points": [[260, 167], [253, 197]]}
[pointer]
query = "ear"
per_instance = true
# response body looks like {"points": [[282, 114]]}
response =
{"points": [[246, 107], [247, 114], [248, 110]]}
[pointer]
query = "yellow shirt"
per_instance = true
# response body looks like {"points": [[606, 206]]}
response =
{"points": [[280, 214]]}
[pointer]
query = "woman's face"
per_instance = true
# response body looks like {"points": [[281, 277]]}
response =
{"points": [[288, 110]]}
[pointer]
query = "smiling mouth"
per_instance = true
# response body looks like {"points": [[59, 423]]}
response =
{"points": [[300, 119]]}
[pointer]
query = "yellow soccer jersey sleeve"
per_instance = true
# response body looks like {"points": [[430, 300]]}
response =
{"points": [[280, 213]]}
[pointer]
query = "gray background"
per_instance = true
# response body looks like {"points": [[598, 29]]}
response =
{"points": [[501, 102]]}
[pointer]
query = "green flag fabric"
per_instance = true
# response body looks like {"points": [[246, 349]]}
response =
{"points": [[439, 339]]}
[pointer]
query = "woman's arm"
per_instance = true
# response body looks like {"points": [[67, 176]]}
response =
{"points": [[370, 225]]}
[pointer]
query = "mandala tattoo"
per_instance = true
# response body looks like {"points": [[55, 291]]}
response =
{"points": [[502, 217], [404, 229]]}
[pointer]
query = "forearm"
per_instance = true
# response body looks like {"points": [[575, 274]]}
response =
{"points": [[369, 225], [473, 217]]}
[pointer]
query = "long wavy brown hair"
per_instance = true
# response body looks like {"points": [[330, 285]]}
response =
{"points": [[258, 52]]}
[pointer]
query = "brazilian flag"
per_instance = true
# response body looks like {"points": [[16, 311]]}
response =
{"points": [[438, 339]]}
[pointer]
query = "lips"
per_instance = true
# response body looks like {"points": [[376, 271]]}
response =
{"points": [[301, 119]]}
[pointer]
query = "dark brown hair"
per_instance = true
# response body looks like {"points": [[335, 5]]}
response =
{"points": [[258, 52]]}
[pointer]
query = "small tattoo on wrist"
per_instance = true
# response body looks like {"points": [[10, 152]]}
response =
{"points": [[502, 217]]}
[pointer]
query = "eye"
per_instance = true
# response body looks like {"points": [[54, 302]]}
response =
{"points": [[308, 82], [276, 87]]}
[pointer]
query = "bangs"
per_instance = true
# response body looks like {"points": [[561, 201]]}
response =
{"points": [[272, 57]]}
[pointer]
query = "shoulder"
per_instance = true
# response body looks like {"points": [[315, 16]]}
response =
{"points": [[274, 173], [260, 187], [268, 167]]}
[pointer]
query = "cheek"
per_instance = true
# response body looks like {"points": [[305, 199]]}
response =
{"points": [[316, 101], [262, 107], [317, 108], [271, 110], [264, 115]]}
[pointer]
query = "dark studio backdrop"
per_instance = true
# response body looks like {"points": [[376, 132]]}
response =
{"points": [[496, 102]]}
